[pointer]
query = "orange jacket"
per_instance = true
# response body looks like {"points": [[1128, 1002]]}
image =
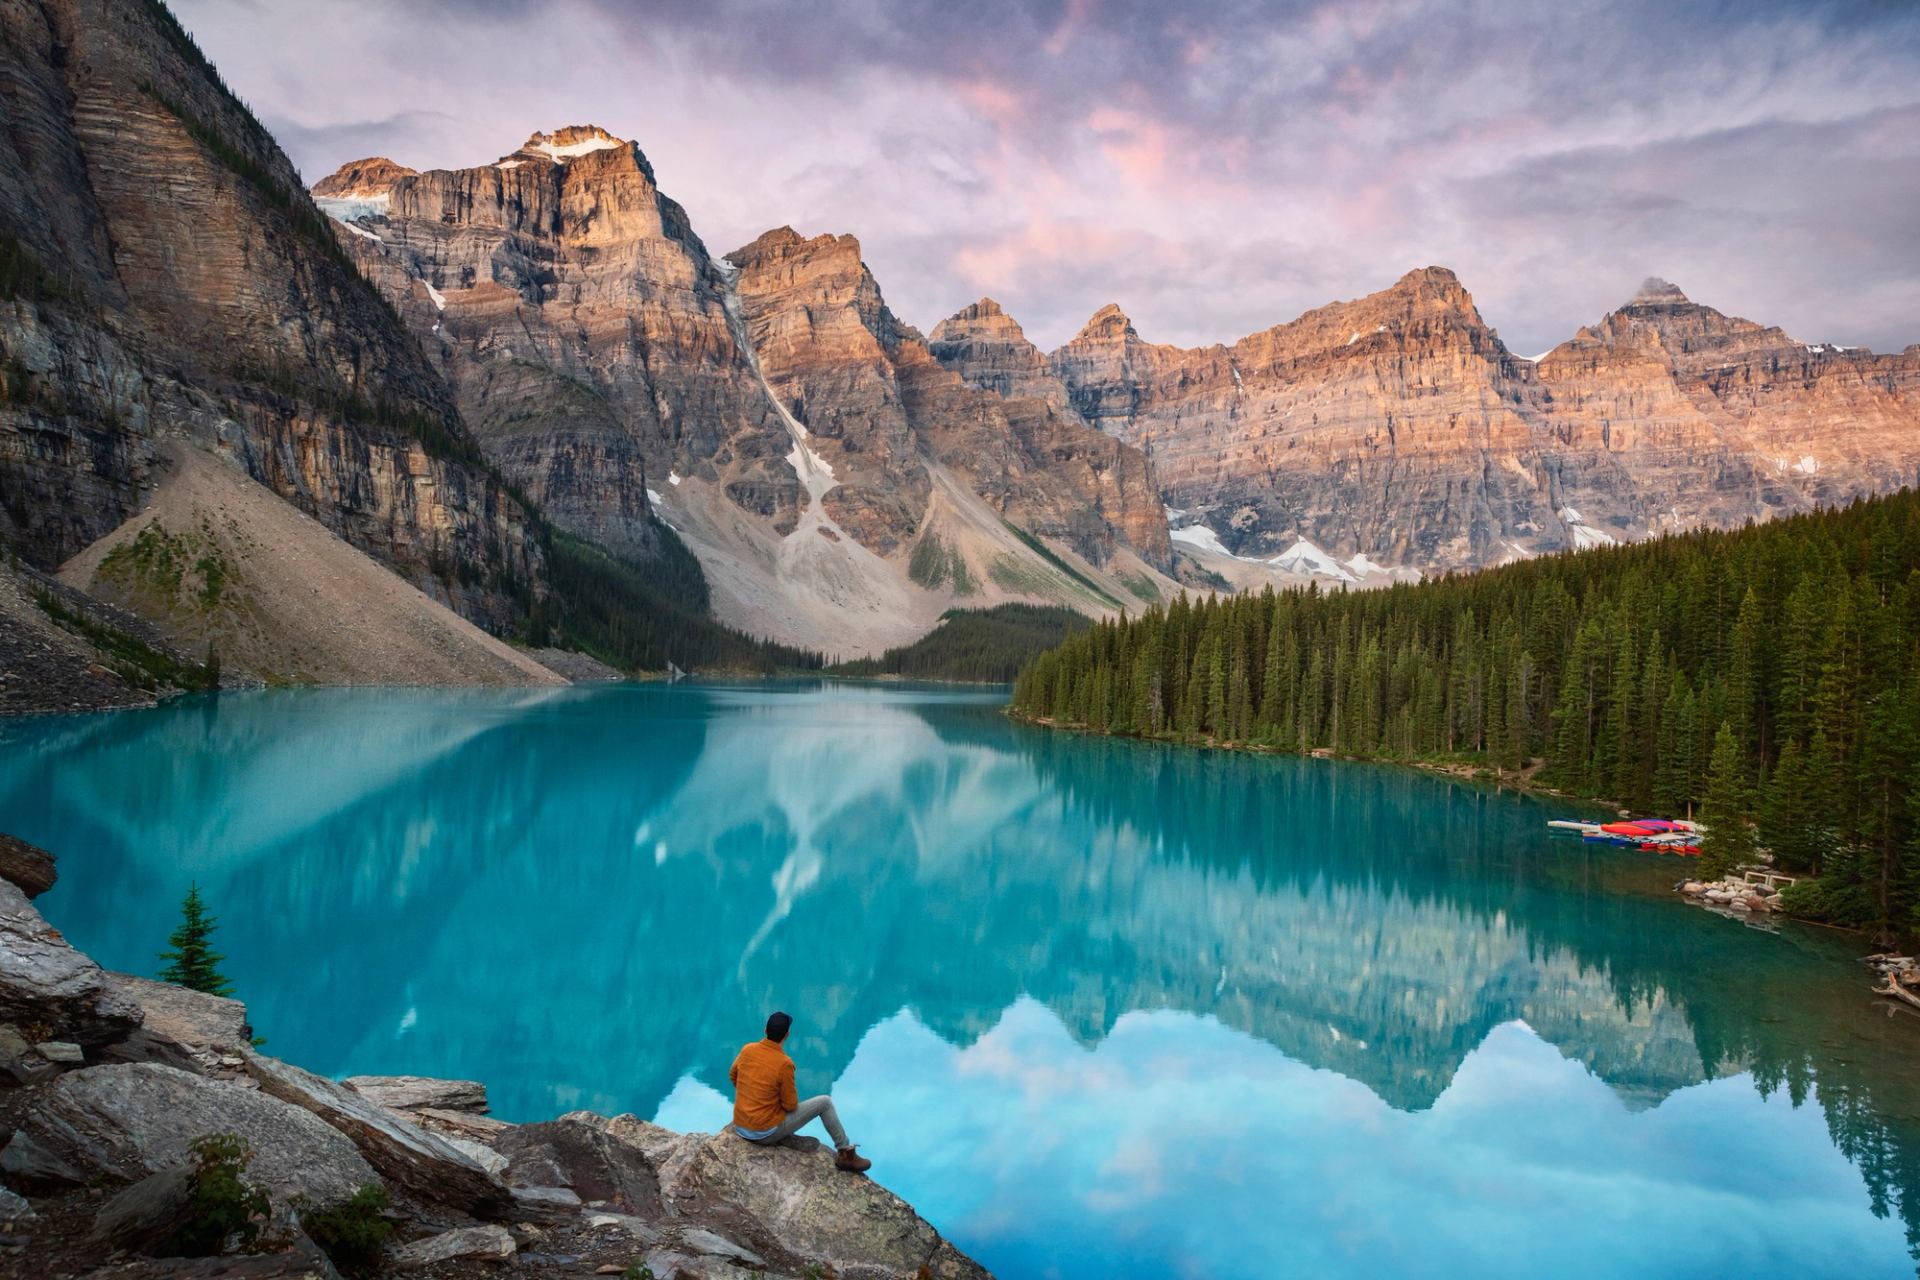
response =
{"points": [[763, 1092]]}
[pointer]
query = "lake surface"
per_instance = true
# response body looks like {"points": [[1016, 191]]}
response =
{"points": [[1094, 1007]]}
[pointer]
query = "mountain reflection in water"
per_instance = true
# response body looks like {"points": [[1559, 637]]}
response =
{"points": [[1093, 1006]]}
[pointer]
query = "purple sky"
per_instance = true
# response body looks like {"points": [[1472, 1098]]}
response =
{"points": [[1214, 172]]}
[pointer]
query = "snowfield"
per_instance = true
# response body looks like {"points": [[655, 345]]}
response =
{"points": [[1198, 535], [560, 155], [1304, 557]]}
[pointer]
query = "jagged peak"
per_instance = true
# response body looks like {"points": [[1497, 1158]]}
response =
{"points": [[785, 242], [373, 175], [983, 318], [1108, 322], [1440, 277], [1657, 292], [568, 141], [1433, 282]]}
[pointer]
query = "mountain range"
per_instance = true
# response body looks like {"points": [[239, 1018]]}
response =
{"points": [[470, 375], [839, 486], [1399, 430]]}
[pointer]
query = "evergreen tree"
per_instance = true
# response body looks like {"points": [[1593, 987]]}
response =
{"points": [[191, 961], [1723, 810]]}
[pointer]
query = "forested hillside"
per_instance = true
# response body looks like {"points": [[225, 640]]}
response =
{"points": [[640, 616], [989, 645], [1771, 672]]}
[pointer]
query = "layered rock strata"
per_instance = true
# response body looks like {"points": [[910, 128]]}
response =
{"points": [[1399, 429], [168, 277], [619, 373]]}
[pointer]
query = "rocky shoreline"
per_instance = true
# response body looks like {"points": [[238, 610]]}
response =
{"points": [[107, 1082], [1733, 895]]}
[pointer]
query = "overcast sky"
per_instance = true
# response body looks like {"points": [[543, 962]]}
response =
{"points": [[1214, 171]]}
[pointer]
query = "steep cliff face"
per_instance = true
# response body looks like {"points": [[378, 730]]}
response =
{"points": [[827, 345], [768, 406], [858, 377], [581, 322], [170, 279], [1361, 427], [1398, 430], [987, 347], [1741, 418]]}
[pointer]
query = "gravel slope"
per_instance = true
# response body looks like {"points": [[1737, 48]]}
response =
{"points": [[292, 603]]}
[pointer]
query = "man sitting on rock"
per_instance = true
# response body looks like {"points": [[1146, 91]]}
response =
{"points": [[766, 1107]]}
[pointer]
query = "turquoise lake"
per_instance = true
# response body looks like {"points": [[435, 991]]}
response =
{"points": [[1096, 1008]]}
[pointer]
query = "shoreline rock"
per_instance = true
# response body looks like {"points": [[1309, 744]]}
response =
{"points": [[1733, 894], [44, 981], [27, 866], [151, 1068]]}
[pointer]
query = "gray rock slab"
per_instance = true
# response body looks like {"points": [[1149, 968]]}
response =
{"points": [[130, 1120], [185, 1016], [422, 1162], [411, 1093], [45, 981], [483, 1244], [579, 1151]]}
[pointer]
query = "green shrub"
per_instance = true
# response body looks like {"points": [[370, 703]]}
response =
{"points": [[225, 1206], [353, 1232], [1827, 902], [133, 659]]}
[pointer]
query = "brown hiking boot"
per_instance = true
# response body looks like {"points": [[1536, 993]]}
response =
{"points": [[850, 1159]]}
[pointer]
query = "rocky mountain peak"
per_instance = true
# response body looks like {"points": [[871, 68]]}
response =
{"points": [[785, 242], [362, 179], [1431, 283], [989, 350], [981, 310], [1655, 292], [984, 319], [1109, 322], [569, 141]]}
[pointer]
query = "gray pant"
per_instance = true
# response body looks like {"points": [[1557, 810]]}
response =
{"points": [[821, 1109]]}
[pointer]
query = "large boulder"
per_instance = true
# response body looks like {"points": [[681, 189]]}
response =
{"points": [[131, 1120], [424, 1163], [468, 1244], [578, 1152], [185, 1016], [45, 981], [27, 866], [413, 1093], [144, 1216], [791, 1202]]}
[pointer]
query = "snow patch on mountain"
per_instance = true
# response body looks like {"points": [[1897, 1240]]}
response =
{"points": [[1585, 535], [561, 155], [1198, 535], [348, 208], [1304, 557]]}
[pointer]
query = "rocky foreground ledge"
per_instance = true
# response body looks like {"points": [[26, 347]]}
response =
{"points": [[106, 1080]]}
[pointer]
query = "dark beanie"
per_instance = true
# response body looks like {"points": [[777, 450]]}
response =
{"points": [[777, 1026]]}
